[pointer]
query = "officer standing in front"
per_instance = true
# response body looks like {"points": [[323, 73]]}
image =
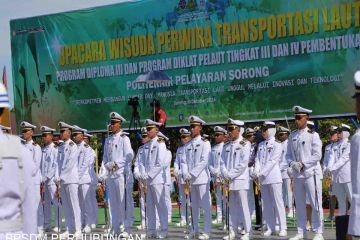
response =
{"points": [[151, 166], [67, 179], [304, 155], [195, 170], [18, 196], [354, 221], [27, 133], [48, 169], [235, 173], [117, 157]]}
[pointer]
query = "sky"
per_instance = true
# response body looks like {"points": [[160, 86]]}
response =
{"points": [[14, 9]]}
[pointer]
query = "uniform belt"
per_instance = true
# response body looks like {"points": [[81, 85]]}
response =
{"points": [[11, 225]]}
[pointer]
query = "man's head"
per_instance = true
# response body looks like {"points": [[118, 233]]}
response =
{"points": [[333, 133], [344, 131], [152, 128], [78, 134], [250, 135], [47, 134], [27, 130], [87, 138], [185, 135], [65, 131], [116, 121], [301, 116], [283, 133], [234, 128], [268, 129], [195, 125], [219, 134]]}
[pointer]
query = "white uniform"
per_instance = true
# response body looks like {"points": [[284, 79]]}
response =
{"points": [[137, 175], [48, 169], [195, 168], [94, 181], [354, 222], [180, 153], [35, 152], [68, 174], [85, 161], [286, 181], [251, 195], [214, 167], [234, 167], [129, 219], [305, 146], [267, 168], [151, 166], [339, 165], [168, 183], [117, 157], [18, 203]]}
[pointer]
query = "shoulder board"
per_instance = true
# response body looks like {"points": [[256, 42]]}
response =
{"points": [[243, 142], [71, 143], [204, 139], [311, 131], [160, 140], [34, 143], [60, 143], [23, 141], [86, 145], [124, 134]]}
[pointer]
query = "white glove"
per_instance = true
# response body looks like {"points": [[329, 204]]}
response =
{"points": [[144, 176], [44, 179], [216, 173], [100, 179], [297, 166], [254, 174], [57, 180], [226, 175], [186, 176]]}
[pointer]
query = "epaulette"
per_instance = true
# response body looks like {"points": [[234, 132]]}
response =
{"points": [[34, 143], [243, 142], [71, 143], [311, 131], [204, 139], [60, 143], [86, 145], [23, 141], [124, 134], [160, 140]]}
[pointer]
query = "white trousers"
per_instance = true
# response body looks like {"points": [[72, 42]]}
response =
{"points": [[85, 203], [168, 200], [70, 199], [182, 202], [51, 202], [155, 201], [116, 191], [239, 210], [305, 187], [343, 192], [94, 205], [273, 206], [40, 208], [200, 198], [287, 193], [129, 219], [219, 201]]}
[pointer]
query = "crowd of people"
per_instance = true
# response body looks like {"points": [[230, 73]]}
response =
{"points": [[35, 181]]}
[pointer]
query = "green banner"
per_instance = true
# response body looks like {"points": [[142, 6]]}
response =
{"points": [[245, 59]]}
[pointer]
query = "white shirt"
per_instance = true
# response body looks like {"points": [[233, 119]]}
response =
{"points": [[339, 162], [35, 152], [49, 162], [67, 169]]}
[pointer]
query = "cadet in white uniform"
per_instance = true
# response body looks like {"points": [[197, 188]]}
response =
{"points": [[214, 167], [48, 169], [333, 135], [18, 197], [93, 211], [180, 153], [151, 166], [137, 175], [283, 135], [267, 169], [117, 157], [195, 169], [167, 174], [339, 166], [235, 172], [354, 222], [35, 149], [67, 179], [304, 155], [85, 161]]}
